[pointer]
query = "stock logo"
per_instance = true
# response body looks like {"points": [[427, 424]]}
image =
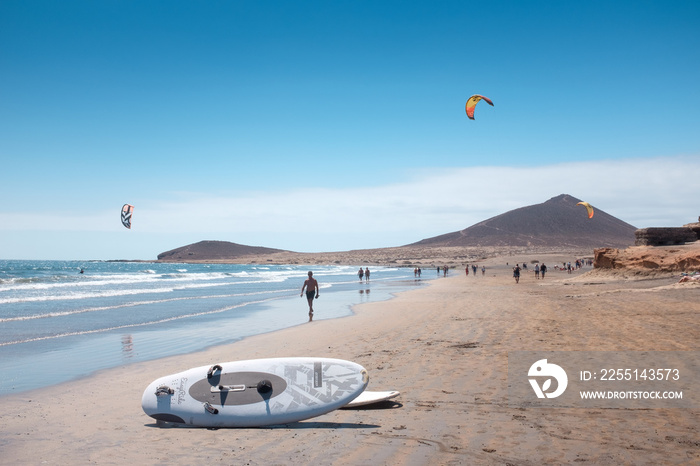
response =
{"points": [[544, 370]]}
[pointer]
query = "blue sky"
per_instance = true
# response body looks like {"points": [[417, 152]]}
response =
{"points": [[335, 125]]}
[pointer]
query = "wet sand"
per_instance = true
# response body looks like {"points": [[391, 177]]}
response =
{"points": [[444, 346]]}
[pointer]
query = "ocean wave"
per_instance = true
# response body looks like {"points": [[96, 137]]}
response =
{"points": [[134, 304], [138, 324], [77, 294], [84, 295], [23, 284]]}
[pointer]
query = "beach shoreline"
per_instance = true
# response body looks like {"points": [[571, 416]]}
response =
{"points": [[402, 256], [444, 346], [67, 330]]}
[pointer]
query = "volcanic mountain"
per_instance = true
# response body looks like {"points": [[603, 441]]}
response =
{"points": [[213, 251], [558, 222]]}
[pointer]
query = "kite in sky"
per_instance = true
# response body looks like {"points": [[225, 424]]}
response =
{"points": [[588, 207], [471, 104], [127, 210]]}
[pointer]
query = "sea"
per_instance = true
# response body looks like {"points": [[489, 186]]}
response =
{"points": [[64, 320]]}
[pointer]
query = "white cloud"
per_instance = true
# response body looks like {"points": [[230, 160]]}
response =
{"points": [[644, 192], [661, 191]]}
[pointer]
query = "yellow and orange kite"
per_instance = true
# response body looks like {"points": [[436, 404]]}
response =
{"points": [[588, 207], [471, 104]]}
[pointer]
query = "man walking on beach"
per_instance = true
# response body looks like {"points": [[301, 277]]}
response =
{"points": [[311, 285]]}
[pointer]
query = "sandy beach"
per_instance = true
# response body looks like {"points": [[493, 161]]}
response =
{"points": [[444, 346]]}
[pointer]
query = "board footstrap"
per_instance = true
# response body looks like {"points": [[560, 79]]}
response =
{"points": [[212, 369], [210, 409], [164, 390]]}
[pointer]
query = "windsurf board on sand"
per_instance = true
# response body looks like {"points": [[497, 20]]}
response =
{"points": [[369, 397], [253, 393]]}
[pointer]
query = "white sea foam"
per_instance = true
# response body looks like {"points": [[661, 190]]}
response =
{"points": [[139, 324], [128, 279], [138, 303]]}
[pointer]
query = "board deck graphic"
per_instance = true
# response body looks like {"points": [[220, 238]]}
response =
{"points": [[254, 393]]}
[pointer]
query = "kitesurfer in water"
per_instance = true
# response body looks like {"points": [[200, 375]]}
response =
{"points": [[311, 286]]}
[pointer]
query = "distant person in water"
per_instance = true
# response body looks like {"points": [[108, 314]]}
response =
{"points": [[360, 273], [367, 274], [311, 286]]}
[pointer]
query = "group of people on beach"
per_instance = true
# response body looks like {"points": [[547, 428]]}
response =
{"points": [[363, 273], [539, 269], [312, 289], [475, 267]]}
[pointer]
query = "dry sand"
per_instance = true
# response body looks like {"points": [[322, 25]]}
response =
{"points": [[444, 346]]}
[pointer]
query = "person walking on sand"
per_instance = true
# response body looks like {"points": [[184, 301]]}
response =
{"points": [[543, 270], [516, 273], [537, 271], [311, 285], [483, 270], [367, 274]]}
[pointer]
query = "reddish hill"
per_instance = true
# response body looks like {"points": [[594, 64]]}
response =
{"points": [[559, 222], [213, 251]]}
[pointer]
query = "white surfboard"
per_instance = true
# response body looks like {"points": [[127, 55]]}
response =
{"points": [[368, 397], [253, 393]]}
